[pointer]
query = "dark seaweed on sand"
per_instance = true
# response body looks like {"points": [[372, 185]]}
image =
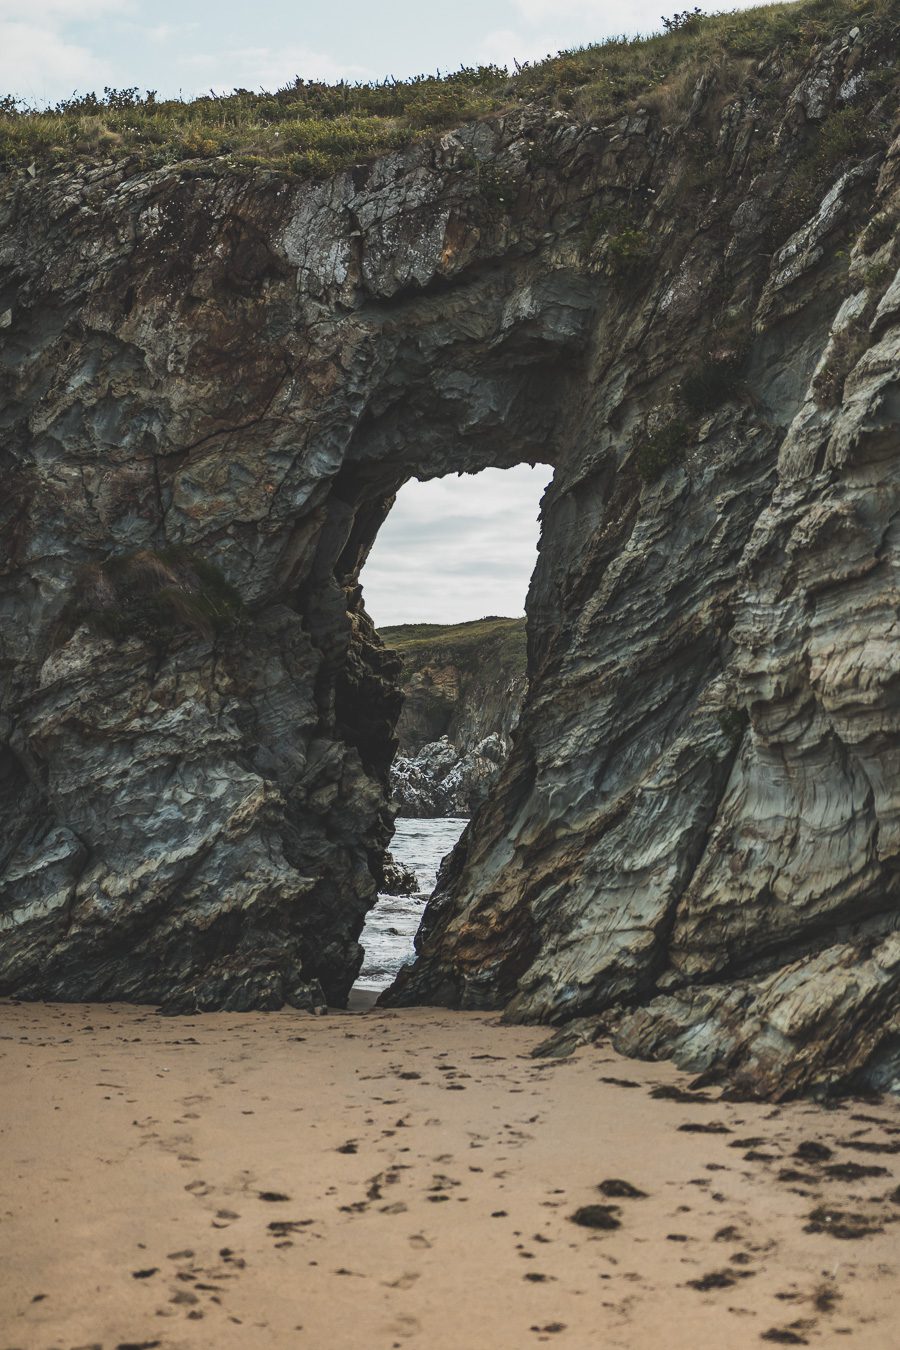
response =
{"points": [[716, 1279], [852, 1171], [670, 1092], [870, 1146], [812, 1151], [616, 1189], [698, 1127], [597, 1216], [840, 1224]]}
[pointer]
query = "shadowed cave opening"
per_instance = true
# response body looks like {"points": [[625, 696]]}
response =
{"points": [[493, 406], [445, 585]]}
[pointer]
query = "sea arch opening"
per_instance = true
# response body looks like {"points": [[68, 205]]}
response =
{"points": [[445, 584], [477, 384]]}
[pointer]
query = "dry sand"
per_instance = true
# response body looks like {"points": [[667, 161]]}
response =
{"points": [[407, 1179]]}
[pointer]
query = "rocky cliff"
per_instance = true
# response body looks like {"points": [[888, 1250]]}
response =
{"points": [[213, 382], [439, 781], [462, 687]]}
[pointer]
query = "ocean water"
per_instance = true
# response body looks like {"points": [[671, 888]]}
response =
{"points": [[392, 924]]}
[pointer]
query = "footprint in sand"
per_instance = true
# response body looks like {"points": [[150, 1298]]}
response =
{"points": [[405, 1281], [183, 1297], [176, 1143], [404, 1327]]}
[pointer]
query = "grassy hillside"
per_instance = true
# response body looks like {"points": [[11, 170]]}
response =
{"points": [[462, 680], [501, 642], [311, 128]]}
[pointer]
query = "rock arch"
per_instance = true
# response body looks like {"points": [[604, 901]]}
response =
{"points": [[209, 376]]}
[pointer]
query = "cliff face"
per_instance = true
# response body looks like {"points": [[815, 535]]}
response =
{"points": [[464, 681], [462, 687], [212, 387]]}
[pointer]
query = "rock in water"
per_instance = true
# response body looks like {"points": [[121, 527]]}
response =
{"points": [[398, 880], [213, 384]]}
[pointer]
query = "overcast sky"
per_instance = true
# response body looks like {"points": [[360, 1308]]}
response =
{"points": [[49, 48], [457, 548]]}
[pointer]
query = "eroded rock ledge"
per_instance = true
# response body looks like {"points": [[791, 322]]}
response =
{"points": [[212, 387]]}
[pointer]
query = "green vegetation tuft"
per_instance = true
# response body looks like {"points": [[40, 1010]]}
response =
{"points": [[628, 252], [661, 449], [496, 189], [845, 350], [879, 230], [313, 129], [876, 276], [150, 592], [713, 379], [843, 136]]}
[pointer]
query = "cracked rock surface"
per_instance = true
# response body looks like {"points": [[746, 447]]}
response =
{"points": [[212, 387]]}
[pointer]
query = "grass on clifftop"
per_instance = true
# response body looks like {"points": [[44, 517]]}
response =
{"points": [[313, 129], [461, 644]]}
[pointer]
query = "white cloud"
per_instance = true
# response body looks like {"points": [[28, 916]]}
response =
{"points": [[608, 18], [37, 62], [456, 548], [504, 46], [549, 26], [267, 67], [641, 16], [59, 12], [39, 59], [164, 32]]}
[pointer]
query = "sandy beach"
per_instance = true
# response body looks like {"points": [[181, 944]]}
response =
{"points": [[409, 1179]]}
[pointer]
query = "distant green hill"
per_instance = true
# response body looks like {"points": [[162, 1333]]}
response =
{"points": [[463, 680], [505, 638]]}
